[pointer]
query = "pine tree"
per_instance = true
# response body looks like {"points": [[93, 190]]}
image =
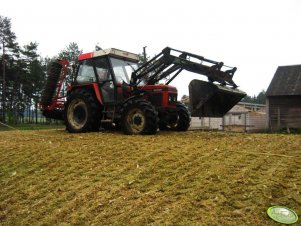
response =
{"points": [[71, 53], [10, 53], [34, 77], [261, 97]]}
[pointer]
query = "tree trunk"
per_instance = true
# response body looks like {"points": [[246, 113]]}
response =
{"points": [[36, 110]]}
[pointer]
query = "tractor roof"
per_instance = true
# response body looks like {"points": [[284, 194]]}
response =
{"points": [[110, 52]]}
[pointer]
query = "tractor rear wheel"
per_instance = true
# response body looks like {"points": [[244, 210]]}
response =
{"points": [[82, 112], [139, 117], [179, 121]]}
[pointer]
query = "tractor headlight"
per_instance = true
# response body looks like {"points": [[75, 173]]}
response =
{"points": [[172, 98]]}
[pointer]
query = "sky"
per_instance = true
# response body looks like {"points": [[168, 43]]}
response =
{"points": [[256, 36]]}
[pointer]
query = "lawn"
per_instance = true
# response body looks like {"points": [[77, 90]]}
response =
{"points": [[51, 177], [30, 126]]}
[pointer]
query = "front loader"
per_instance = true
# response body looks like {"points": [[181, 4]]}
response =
{"points": [[109, 90]]}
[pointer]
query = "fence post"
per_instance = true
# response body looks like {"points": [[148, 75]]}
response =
{"points": [[245, 121], [278, 117]]}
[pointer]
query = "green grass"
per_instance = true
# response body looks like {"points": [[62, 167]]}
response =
{"points": [[30, 126], [51, 177]]}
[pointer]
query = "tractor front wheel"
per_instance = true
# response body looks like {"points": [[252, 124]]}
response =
{"points": [[178, 121], [82, 112], [139, 117]]}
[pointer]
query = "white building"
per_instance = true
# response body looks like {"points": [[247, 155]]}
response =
{"points": [[243, 117]]}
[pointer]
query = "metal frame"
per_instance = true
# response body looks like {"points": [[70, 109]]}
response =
{"points": [[165, 64], [57, 100]]}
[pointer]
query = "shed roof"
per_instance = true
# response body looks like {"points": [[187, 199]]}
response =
{"points": [[286, 81]]}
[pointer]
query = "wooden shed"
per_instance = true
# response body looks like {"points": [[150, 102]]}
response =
{"points": [[284, 99]]}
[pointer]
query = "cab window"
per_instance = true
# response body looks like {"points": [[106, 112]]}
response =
{"points": [[86, 72], [123, 69], [102, 69]]}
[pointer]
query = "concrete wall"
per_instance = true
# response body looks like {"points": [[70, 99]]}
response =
{"points": [[206, 123], [238, 119]]}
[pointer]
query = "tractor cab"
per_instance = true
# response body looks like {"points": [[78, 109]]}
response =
{"points": [[108, 70]]}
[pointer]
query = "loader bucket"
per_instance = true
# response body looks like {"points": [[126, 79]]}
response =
{"points": [[211, 100]]}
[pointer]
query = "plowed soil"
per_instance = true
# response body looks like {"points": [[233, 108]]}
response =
{"points": [[52, 177]]}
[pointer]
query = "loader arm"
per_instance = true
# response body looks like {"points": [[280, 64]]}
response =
{"points": [[167, 66], [206, 98]]}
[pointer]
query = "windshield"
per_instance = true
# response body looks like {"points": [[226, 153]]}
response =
{"points": [[123, 69]]}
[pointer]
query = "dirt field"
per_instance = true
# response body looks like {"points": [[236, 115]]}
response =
{"points": [[52, 177]]}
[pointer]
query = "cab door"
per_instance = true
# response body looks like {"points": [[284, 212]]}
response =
{"points": [[105, 80]]}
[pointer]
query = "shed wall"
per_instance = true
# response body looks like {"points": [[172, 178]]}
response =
{"points": [[284, 112]]}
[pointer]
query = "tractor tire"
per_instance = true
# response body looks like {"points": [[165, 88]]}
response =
{"points": [[139, 117], [82, 112], [179, 122], [183, 118], [50, 87]]}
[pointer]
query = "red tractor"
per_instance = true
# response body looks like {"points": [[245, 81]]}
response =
{"points": [[110, 90]]}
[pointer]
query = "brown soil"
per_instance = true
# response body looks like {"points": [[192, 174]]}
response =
{"points": [[52, 177]]}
